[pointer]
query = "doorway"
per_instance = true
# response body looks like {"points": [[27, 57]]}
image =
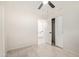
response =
{"points": [[53, 31], [42, 32]]}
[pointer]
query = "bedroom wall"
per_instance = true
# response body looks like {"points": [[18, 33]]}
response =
{"points": [[2, 36], [21, 26]]}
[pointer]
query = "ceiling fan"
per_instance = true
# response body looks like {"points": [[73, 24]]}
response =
{"points": [[46, 2]]}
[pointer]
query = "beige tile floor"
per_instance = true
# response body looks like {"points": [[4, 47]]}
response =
{"points": [[44, 50]]}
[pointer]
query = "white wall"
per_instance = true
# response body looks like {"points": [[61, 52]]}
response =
{"points": [[21, 26], [2, 40], [71, 27]]}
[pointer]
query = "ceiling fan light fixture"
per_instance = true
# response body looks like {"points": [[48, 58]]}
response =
{"points": [[51, 5]]}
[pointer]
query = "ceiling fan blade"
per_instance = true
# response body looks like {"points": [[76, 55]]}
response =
{"points": [[40, 6], [51, 5]]}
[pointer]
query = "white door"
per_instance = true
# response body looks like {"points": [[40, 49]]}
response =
{"points": [[42, 31], [58, 31]]}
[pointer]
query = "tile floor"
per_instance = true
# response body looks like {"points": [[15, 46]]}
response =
{"points": [[44, 50]]}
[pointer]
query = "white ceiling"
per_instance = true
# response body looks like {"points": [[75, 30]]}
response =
{"points": [[45, 12]]}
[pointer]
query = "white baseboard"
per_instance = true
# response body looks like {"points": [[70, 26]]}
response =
{"points": [[21, 47], [72, 52]]}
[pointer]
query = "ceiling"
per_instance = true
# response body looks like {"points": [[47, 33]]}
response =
{"points": [[45, 12]]}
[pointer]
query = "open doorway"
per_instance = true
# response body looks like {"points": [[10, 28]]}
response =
{"points": [[53, 31]]}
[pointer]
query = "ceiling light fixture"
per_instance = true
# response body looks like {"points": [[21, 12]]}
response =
{"points": [[46, 2]]}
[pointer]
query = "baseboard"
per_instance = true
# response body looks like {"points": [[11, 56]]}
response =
{"points": [[21, 48], [68, 50], [58, 47], [72, 52]]}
